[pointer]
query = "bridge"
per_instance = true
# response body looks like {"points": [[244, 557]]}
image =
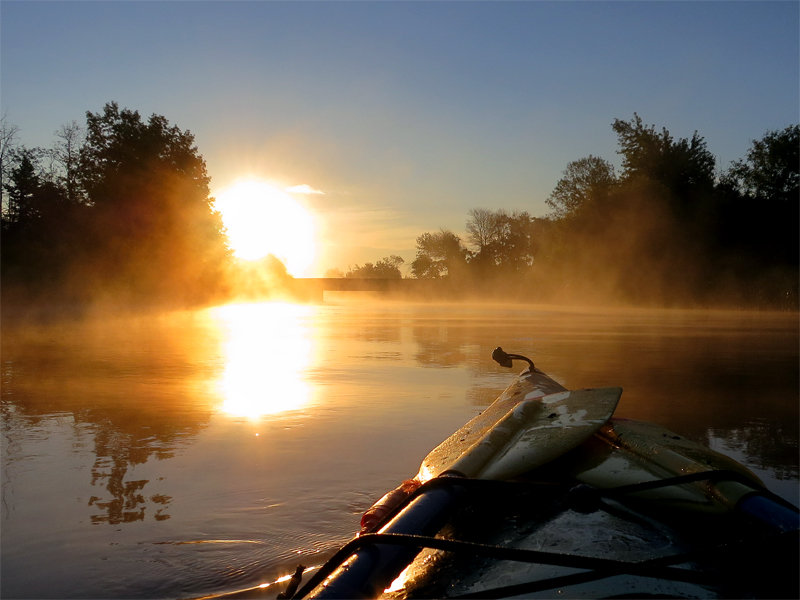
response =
{"points": [[315, 288]]}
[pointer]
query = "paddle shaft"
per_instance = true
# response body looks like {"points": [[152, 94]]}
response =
{"points": [[371, 570]]}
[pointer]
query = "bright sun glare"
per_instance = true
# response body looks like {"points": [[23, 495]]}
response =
{"points": [[262, 219], [267, 355]]}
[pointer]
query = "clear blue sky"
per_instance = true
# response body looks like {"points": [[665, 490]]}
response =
{"points": [[406, 114]]}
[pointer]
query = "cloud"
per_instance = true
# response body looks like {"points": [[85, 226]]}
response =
{"points": [[302, 189]]}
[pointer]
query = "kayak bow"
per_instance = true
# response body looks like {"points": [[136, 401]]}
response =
{"points": [[534, 421], [666, 488]]}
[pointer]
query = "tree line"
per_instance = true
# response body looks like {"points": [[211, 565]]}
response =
{"points": [[120, 208], [668, 230]]}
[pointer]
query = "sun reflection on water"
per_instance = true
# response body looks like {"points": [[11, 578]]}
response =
{"points": [[267, 353]]}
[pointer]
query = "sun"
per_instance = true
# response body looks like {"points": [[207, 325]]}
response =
{"points": [[262, 219]]}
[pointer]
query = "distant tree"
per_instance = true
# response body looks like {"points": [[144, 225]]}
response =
{"points": [[504, 240], [273, 265], [684, 167], [760, 212], [771, 169], [387, 268], [66, 155], [8, 142], [584, 182], [334, 273], [439, 254], [515, 246], [641, 228], [121, 148], [39, 235], [23, 182], [154, 228], [482, 228], [424, 267]]}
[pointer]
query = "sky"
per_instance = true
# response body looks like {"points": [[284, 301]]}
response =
{"points": [[405, 115]]}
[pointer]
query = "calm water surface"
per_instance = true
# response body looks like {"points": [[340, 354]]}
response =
{"points": [[197, 452]]}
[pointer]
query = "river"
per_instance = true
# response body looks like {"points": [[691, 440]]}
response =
{"points": [[183, 454]]}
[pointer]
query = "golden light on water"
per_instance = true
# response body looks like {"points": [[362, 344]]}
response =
{"points": [[261, 219], [267, 353]]}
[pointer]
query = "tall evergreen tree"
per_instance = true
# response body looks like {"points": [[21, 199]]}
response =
{"points": [[23, 183]]}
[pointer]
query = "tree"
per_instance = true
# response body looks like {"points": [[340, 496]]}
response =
{"points": [[515, 244], [771, 169], [585, 182], [482, 228], [761, 201], [387, 268], [38, 238], [8, 138], [439, 254], [66, 155], [154, 228], [24, 181], [505, 240], [684, 167]]}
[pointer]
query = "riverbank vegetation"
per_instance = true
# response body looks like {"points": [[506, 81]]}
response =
{"points": [[119, 210], [667, 230]]}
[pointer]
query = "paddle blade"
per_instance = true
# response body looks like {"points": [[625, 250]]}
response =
{"points": [[529, 434]]}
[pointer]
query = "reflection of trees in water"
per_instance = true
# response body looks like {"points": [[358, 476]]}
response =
{"points": [[124, 437], [10, 451], [772, 447], [439, 346], [128, 384], [470, 341], [371, 332], [461, 342], [735, 377], [122, 440], [116, 452]]}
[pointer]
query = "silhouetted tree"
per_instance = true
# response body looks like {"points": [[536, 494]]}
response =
{"points": [[666, 232], [760, 211], [482, 228], [585, 182], [39, 226], [771, 169], [156, 231], [685, 168], [514, 247], [24, 181], [439, 254], [678, 165], [66, 157], [8, 139], [505, 240], [387, 268]]}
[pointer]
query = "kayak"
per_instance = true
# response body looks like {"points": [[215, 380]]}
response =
{"points": [[547, 494]]}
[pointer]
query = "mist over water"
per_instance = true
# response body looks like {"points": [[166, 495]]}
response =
{"points": [[192, 452]]}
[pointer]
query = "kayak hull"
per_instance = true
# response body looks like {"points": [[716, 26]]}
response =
{"points": [[543, 495], [615, 533], [633, 528]]}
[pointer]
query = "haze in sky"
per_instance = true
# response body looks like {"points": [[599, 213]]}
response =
{"points": [[388, 119]]}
